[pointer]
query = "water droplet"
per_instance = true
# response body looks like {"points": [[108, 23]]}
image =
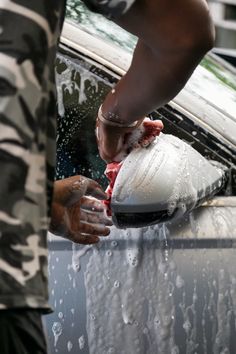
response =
{"points": [[175, 350], [57, 331], [60, 315], [145, 331], [187, 326], [179, 282], [116, 284], [81, 341], [69, 346]]}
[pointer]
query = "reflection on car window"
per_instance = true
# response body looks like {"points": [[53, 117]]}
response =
{"points": [[98, 25]]}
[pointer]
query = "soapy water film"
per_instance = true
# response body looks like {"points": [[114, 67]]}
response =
{"points": [[139, 293], [149, 290]]}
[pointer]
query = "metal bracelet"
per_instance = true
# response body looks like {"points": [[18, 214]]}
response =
{"points": [[113, 123]]}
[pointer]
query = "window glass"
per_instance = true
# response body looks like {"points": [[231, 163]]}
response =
{"points": [[98, 25]]}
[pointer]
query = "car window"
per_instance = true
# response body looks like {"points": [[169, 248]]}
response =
{"points": [[213, 83], [98, 25]]}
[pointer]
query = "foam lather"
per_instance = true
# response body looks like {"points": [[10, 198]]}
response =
{"points": [[162, 182]]}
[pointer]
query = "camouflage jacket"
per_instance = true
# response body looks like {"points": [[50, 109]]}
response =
{"points": [[29, 32]]}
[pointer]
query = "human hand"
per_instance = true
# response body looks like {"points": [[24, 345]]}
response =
{"points": [[114, 143], [77, 211]]}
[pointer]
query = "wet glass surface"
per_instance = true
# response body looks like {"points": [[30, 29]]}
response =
{"points": [[212, 83], [98, 25], [80, 92]]}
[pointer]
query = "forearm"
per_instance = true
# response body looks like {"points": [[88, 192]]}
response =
{"points": [[163, 61], [151, 82]]}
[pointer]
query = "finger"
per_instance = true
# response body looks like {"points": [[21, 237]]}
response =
{"points": [[151, 130], [95, 218], [153, 124], [147, 141], [111, 140], [92, 204], [84, 239], [94, 229], [95, 190]]}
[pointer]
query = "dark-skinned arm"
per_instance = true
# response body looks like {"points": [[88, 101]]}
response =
{"points": [[173, 38]]}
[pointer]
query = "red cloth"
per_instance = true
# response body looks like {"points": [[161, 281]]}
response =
{"points": [[111, 173], [140, 137]]}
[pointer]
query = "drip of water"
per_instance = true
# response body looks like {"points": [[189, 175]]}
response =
{"points": [[77, 255], [81, 341], [66, 82], [57, 331], [69, 346]]}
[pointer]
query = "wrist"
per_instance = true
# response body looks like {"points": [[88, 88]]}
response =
{"points": [[117, 108], [114, 121]]}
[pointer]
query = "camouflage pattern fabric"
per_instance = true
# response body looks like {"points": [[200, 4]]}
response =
{"points": [[29, 32], [109, 8]]}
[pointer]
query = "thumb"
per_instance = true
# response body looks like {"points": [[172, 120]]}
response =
{"points": [[95, 190], [109, 140]]}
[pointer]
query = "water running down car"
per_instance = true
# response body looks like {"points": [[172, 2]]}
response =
{"points": [[169, 288]]}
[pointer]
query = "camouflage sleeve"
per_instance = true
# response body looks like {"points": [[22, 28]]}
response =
{"points": [[29, 31], [109, 8]]}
